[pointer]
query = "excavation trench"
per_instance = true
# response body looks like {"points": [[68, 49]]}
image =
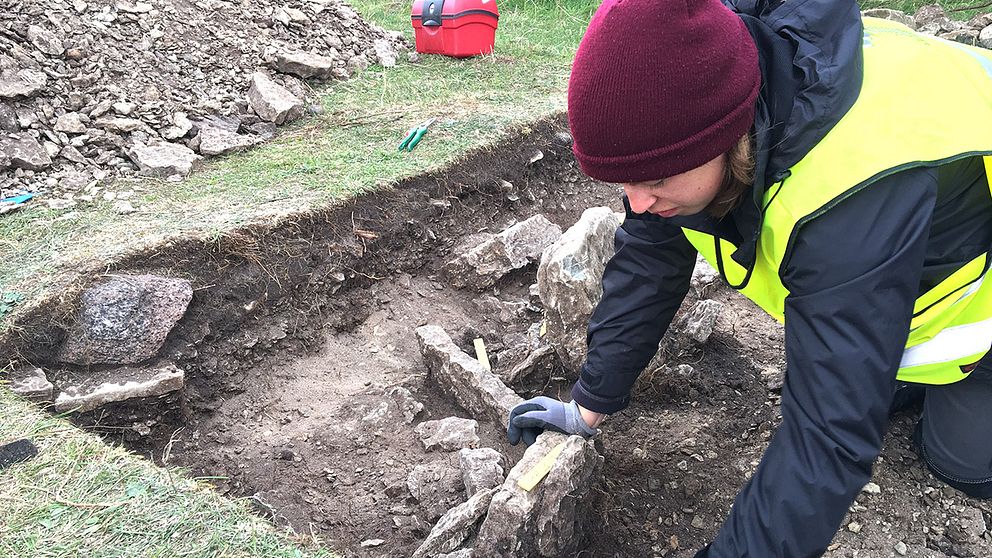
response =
{"points": [[303, 371]]}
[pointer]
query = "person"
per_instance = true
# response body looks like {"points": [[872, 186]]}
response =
{"points": [[835, 170]]}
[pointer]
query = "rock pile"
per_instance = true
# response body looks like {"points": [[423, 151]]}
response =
{"points": [[933, 20], [95, 88]]}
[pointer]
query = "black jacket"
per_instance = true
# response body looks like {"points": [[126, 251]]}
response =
{"points": [[854, 275]]}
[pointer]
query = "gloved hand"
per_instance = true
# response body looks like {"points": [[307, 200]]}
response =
{"points": [[530, 418]]}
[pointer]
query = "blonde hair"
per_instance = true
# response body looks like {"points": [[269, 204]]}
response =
{"points": [[738, 177]]}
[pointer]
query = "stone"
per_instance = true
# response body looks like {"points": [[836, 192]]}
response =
{"points": [[872, 488], [271, 101], [215, 140], [455, 527], [774, 377], [967, 527], [482, 469], [698, 323], [570, 282], [473, 386], [385, 53], [854, 527], [162, 159], [70, 153], [8, 119], [304, 64], [181, 125], [71, 123], [95, 389], [125, 319], [963, 36], [932, 19], [372, 543], [263, 130], [461, 553], [22, 83], [448, 434], [437, 485], [554, 518], [357, 63], [409, 406], [30, 382], [985, 37], [124, 108], [24, 152], [480, 266], [892, 15], [900, 548], [119, 124], [45, 41], [541, 358], [704, 277]]}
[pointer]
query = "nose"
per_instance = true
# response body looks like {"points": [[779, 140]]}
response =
{"points": [[640, 200]]}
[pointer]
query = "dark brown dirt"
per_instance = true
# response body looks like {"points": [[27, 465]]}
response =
{"points": [[298, 334]]}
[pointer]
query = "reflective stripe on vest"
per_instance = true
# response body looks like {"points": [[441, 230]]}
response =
{"points": [[924, 102]]}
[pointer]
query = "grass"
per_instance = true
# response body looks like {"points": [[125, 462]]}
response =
{"points": [[350, 148], [79, 497]]}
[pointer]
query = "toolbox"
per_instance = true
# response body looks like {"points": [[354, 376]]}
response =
{"points": [[459, 28]]}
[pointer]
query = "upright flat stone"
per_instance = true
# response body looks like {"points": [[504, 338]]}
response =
{"points": [[125, 320], [163, 159], [481, 266], [552, 519], [570, 282], [475, 388], [698, 323], [271, 101], [455, 526], [481, 469], [90, 391]]}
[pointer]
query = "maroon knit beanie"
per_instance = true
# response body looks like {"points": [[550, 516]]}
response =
{"points": [[660, 87]]}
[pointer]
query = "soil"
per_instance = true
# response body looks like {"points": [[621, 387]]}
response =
{"points": [[298, 337]]}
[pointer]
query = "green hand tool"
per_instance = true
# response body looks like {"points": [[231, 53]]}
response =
{"points": [[414, 136]]}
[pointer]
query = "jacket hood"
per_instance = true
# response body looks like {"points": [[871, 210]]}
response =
{"points": [[811, 64]]}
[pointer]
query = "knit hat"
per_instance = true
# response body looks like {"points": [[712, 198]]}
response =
{"points": [[660, 87]]}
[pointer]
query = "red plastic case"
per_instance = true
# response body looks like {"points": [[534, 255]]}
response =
{"points": [[459, 28]]}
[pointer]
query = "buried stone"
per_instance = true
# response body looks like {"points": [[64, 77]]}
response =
{"points": [[482, 265], [554, 517], [448, 434], [31, 382], [125, 320], [699, 322], [90, 391], [474, 387], [455, 526], [481, 469]]}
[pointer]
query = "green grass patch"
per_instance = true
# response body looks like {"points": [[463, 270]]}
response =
{"points": [[80, 497]]}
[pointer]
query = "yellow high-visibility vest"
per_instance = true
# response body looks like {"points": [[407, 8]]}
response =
{"points": [[924, 102]]}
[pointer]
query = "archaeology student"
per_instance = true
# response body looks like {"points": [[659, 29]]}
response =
{"points": [[866, 229]]}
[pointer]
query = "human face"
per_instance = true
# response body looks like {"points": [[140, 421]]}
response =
{"points": [[683, 194]]}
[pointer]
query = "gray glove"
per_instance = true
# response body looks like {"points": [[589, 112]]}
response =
{"points": [[530, 418]]}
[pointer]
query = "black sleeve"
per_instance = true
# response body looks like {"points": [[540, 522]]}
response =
{"points": [[853, 279], [643, 285]]}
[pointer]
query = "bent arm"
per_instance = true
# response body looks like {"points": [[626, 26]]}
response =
{"points": [[643, 285]]}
